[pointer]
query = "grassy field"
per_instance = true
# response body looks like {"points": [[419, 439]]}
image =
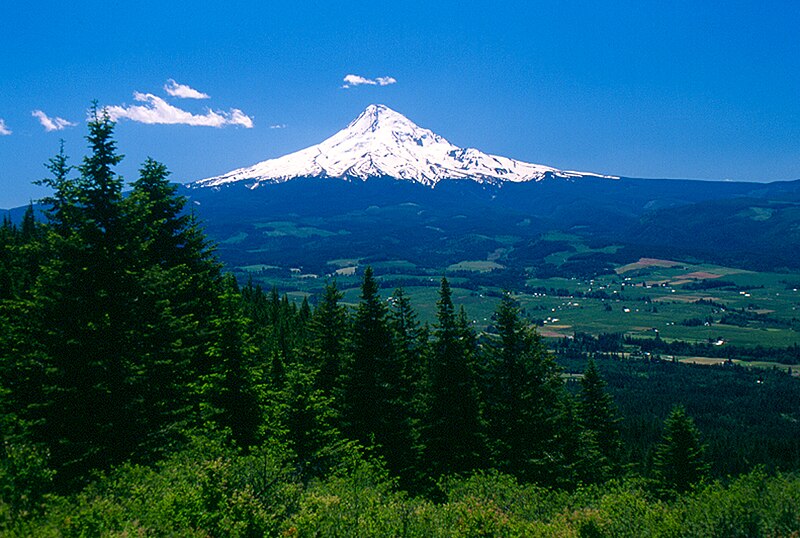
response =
{"points": [[660, 299], [481, 266], [645, 297]]}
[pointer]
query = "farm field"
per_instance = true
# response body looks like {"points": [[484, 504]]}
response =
{"points": [[646, 298]]}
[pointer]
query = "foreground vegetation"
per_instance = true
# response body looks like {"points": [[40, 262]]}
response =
{"points": [[213, 489], [144, 392]]}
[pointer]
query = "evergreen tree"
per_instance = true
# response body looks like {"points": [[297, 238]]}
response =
{"points": [[524, 393], [597, 415], [117, 315], [29, 230], [304, 314], [161, 223], [409, 344], [453, 430], [230, 394], [679, 461], [10, 270], [83, 318], [179, 281], [64, 201], [580, 455], [307, 416], [327, 337], [369, 382], [409, 351], [281, 319]]}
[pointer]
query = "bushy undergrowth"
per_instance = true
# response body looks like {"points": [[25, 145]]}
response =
{"points": [[211, 489]]}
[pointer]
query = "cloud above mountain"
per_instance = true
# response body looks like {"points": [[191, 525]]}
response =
{"points": [[183, 91], [4, 130], [51, 124], [156, 111], [357, 80]]}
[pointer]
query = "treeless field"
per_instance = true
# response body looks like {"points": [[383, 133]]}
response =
{"points": [[552, 331], [703, 360], [699, 275], [681, 298], [646, 262]]}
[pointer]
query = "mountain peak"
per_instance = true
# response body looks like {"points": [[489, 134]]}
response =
{"points": [[376, 117], [381, 142]]}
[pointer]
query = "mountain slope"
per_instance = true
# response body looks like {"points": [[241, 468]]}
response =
{"points": [[383, 143]]}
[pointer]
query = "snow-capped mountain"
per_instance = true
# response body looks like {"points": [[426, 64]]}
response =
{"points": [[383, 143]]}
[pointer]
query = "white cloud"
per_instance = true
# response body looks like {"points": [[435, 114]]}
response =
{"points": [[157, 111], [357, 80], [4, 130], [278, 126], [183, 91], [51, 124]]}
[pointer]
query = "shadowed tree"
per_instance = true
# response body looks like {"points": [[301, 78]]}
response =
{"points": [[409, 349], [327, 338], [524, 392], [82, 319], [453, 430], [118, 313], [371, 377], [679, 461], [598, 417], [231, 397]]}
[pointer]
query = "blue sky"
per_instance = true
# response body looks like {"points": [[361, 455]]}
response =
{"points": [[685, 89]]}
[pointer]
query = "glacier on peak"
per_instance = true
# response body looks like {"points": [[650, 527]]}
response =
{"points": [[383, 143]]}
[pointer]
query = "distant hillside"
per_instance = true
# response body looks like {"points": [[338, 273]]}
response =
{"points": [[744, 224]]}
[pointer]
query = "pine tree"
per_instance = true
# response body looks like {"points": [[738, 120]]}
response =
{"points": [[524, 394], [29, 231], [82, 317], [597, 416], [178, 279], [580, 455], [679, 461], [229, 390], [369, 382], [161, 222], [117, 314], [409, 350], [304, 314], [8, 273], [64, 202], [327, 338], [308, 418], [410, 342], [453, 430]]}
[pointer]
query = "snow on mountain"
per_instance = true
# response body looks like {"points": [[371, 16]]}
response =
{"points": [[383, 143]]}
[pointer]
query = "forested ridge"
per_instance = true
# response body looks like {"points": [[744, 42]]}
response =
{"points": [[143, 391]]}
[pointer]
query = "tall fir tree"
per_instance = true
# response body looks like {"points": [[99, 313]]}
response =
{"points": [[410, 348], [523, 395], [453, 433], [229, 390], [408, 406], [326, 339], [8, 273], [117, 313], [64, 200], [371, 378], [179, 280], [679, 461], [308, 419], [598, 417], [84, 301]]}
